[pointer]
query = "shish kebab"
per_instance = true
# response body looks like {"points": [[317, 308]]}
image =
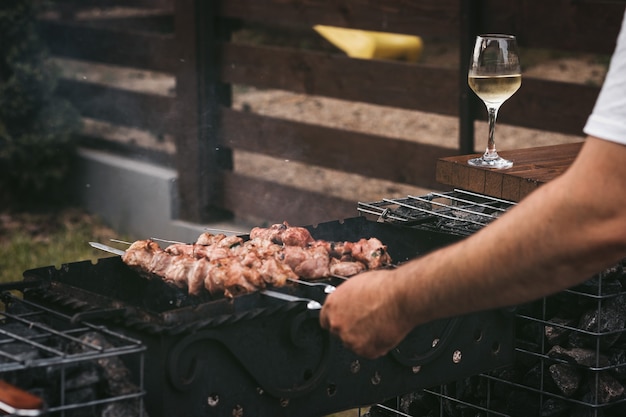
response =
{"points": [[311, 304], [328, 288], [230, 265]]}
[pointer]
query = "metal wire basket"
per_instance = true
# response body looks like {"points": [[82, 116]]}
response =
{"points": [[74, 368], [570, 347]]}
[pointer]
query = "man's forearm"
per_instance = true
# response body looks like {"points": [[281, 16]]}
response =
{"points": [[557, 237], [560, 235]]}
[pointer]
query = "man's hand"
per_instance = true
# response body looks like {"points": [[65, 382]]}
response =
{"points": [[365, 313]]}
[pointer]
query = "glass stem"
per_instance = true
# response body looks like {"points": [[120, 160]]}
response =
{"points": [[491, 152]]}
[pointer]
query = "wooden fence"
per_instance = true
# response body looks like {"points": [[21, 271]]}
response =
{"points": [[192, 41]]}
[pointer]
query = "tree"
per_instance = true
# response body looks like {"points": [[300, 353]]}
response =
{"points": [[37, 141]]}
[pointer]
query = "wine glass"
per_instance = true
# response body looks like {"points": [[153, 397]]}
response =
{"points": [[494, 75]]}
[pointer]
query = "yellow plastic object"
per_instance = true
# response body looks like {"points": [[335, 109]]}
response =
{"points": [[367, 44]]}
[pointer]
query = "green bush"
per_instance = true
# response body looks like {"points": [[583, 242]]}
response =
{"points": [[37, 141]]}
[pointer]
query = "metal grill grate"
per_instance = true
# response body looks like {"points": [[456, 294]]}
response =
{"points": [[72, 367], [460, 212], [570, 347]]}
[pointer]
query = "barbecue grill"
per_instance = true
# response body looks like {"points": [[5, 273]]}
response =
{"points": [[570, 347], [260, 355]]}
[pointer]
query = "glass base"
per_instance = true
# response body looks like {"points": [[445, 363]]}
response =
{"points": [[497, 163]]}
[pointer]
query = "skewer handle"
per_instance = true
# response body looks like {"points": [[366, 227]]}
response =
{"points": [[18, 402]]}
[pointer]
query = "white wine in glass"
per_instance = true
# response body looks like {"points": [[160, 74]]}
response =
{"points": [[494, 75]]}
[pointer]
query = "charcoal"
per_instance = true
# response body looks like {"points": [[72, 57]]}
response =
{"points": [[419, 403], [605, 388], [610, 318], [579, 356], [556, 335], [115, 374], [566, 377], [120, 409], [88, 377], [602, 284], [617, 362], [538, 377], [466, 388], [113, 368], [81, 396], [500, 389], [21, 352], [554, 407]]}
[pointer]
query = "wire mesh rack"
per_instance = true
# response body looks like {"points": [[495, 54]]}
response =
{"points": [[570, 347], [72, 368], [458, 211]]}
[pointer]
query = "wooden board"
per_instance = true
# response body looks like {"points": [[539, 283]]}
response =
{"points": [[532, 168]]}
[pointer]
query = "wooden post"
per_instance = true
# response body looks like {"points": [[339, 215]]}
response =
{"points": [[199, 98], [470, 12]]}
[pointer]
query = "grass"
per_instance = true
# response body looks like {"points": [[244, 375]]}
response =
{"points": [[36, 239]]}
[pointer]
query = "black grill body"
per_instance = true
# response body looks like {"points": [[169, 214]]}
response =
{"points": [[256, 355]]}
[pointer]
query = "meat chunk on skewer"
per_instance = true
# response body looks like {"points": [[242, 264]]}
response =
{"points": [[346, 268], [371, 252], [308, 263], [207, 246], [148, 256], [283, 234], [232, 278], [206, 239]]}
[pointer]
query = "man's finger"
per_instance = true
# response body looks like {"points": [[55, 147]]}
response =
{"points": [[324, 323]]}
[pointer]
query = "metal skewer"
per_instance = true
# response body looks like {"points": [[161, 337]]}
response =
{"points": [[339, 277], [235, 232], [327, 287], [107, 248], [174, 242], [121, 241], [311, 304]]}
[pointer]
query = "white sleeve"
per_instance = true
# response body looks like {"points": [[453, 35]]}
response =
{"points": [[608, 119]]}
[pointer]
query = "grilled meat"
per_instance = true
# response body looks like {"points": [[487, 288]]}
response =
{"points": [[229, 265], [346, 268], [371, 252], [283, 234], [224, 275], [310, 262]]}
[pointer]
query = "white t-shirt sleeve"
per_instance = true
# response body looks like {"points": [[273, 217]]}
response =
{"points": [[608, 119]]}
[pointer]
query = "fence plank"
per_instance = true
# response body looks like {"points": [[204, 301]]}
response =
{"points": [[398, 84], [135, 49], [90, 4], [249, 197], [590, 26], [344, 150], [161, 21], [425, 17], [129, 108]]}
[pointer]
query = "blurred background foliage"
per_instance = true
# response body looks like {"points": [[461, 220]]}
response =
{"points": [[38, 225], [37, 128]]}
